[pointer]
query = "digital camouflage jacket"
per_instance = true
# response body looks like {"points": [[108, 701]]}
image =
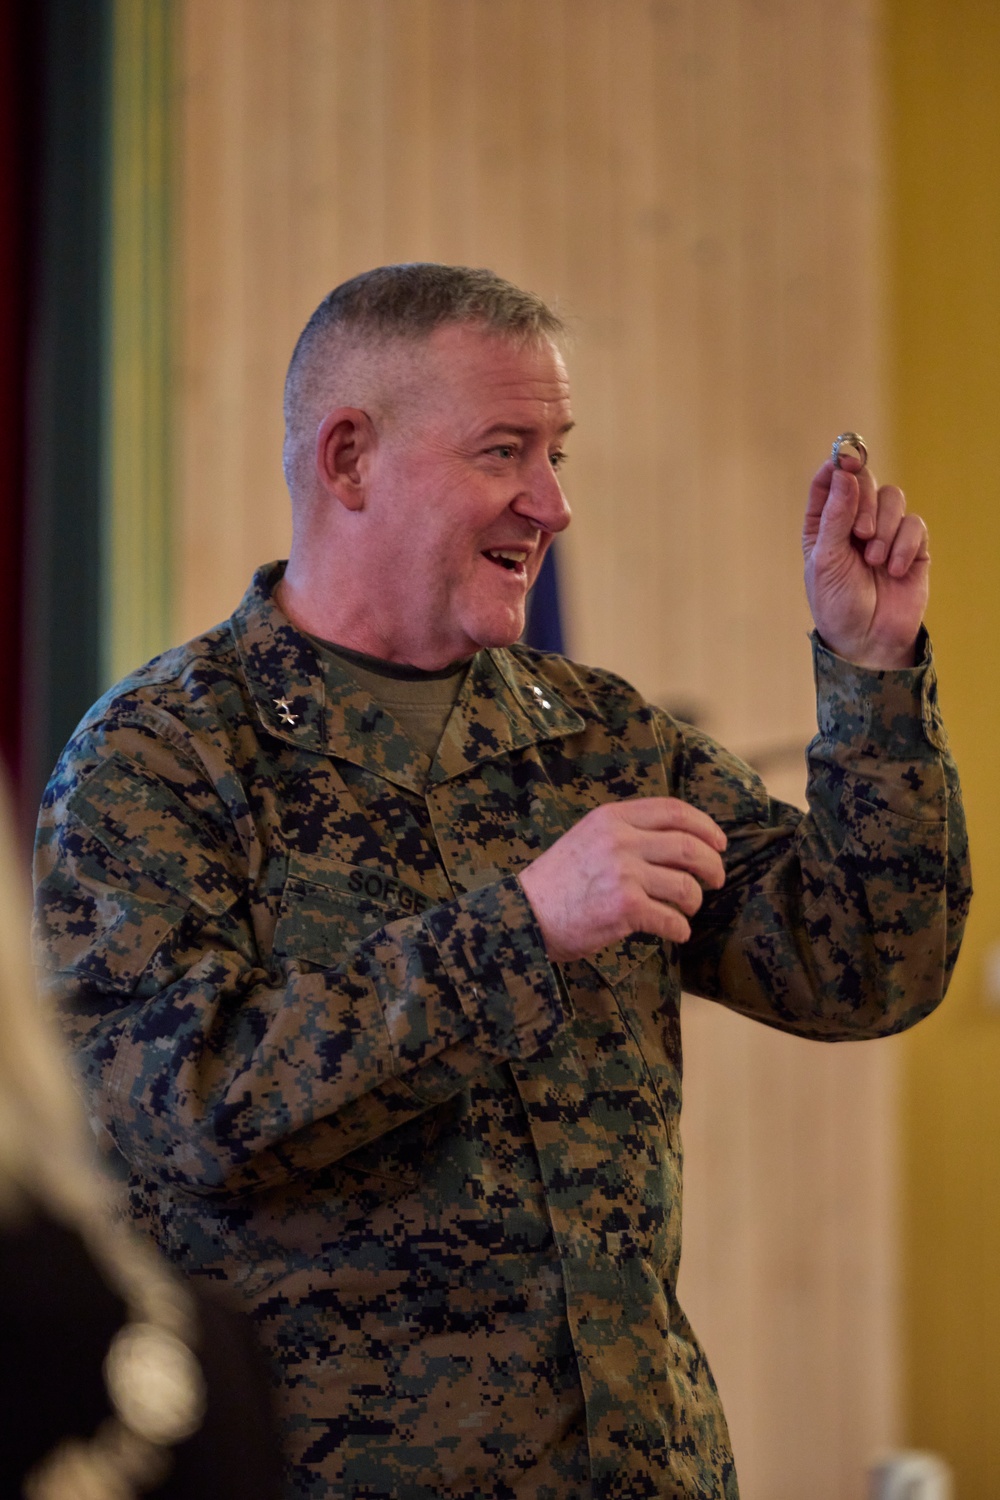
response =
{"points": [[315, 1018]]}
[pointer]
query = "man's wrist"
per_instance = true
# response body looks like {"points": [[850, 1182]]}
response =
{"points": [[878, 659]]}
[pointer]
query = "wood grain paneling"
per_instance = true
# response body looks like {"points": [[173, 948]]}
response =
{"points": [[697, 186], [789, 1266]]}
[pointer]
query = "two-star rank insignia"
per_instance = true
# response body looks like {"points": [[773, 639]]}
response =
{"points": [[285, 709]]}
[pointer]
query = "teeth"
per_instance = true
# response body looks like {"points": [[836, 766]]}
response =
{"points": [[507, 554]]}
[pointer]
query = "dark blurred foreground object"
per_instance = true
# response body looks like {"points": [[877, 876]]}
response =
{"points": [[82, 1429], [118, 1381]]}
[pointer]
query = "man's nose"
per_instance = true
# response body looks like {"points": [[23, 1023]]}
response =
{"points": [[542, 500]]}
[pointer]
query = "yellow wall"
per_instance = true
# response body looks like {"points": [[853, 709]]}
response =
{"points": [[943, 59]]}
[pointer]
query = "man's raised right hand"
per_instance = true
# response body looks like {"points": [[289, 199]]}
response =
{"points": [[635, 866]]}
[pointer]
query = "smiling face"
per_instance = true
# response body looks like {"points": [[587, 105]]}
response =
{"points": [[461, 498]]}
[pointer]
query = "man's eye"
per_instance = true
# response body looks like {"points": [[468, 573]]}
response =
{"points": [[558, 459], [504, 450]]}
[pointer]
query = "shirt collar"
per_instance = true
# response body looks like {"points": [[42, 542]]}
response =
{"points": [[505, 703]]}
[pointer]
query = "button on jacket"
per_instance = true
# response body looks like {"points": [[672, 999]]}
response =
{"points": [[324, 1044]]}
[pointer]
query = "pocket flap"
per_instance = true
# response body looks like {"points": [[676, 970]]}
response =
{"points": [[145, 825], [327, 909]]}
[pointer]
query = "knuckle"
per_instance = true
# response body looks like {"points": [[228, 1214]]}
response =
{"points": [[621, 904], [634, 911]]}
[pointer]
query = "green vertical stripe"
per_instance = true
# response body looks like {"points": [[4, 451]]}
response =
{"points": [[136, 561]]}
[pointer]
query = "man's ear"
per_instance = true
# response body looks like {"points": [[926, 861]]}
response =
{"points": [[345, 440]]}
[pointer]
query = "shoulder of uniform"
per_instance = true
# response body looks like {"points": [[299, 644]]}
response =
{"points": [[189, 700], [185, 674]]}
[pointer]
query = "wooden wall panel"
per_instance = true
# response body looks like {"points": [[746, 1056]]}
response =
{"points": [[789, 1264], [697, 186]]}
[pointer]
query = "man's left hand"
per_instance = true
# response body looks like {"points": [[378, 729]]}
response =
{"points": [[867, 566]]}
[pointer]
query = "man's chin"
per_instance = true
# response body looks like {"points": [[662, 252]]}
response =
{"points": [[497, 634]]}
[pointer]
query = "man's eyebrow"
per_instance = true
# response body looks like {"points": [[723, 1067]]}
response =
{"points": [[516, 429]]}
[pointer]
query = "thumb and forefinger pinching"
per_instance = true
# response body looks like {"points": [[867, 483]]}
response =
{"points": [[846, 503]]}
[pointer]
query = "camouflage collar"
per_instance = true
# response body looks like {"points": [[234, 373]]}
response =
{"points": [[503, 706]]}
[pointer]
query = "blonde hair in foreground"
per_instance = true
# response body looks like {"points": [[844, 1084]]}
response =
{"points": [[43, 1139]]}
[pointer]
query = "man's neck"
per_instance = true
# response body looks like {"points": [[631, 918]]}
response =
{"points": [[359, 636], [379, 667]]}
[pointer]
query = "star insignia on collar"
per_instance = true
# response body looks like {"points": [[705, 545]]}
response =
{"points": [[285, 709]]}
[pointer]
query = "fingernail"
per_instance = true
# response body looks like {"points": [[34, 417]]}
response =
{"points": [[864, 525], [875, 552]]}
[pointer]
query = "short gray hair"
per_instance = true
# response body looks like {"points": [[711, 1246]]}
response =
{"points": [[411, 300], [401, 303]]}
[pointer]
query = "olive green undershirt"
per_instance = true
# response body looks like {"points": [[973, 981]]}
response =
{"points": [[420, 701]]}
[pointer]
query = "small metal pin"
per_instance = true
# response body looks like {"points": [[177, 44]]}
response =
{"points": [[849, 445], [285, 709]]}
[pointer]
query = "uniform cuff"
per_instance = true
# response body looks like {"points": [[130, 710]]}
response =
{"points": [[892, 714], [494, 954]]}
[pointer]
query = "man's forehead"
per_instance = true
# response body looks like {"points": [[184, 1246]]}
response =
{"points": [[470, 358]]}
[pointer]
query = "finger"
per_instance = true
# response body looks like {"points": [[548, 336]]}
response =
{"points": [[660, 813], [683, 851], [831, 509], [909, 546], [664, 921], [819, 491], [849, 458], [891, 510], [676, 887], [866, 520]]}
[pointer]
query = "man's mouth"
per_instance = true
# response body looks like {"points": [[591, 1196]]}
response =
{"points": [[511, 558]]}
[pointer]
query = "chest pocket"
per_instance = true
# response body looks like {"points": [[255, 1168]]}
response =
{"points": [[328, 909]]}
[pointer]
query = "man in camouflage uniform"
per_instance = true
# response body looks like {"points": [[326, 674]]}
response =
{"points": [[370, 925]]}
